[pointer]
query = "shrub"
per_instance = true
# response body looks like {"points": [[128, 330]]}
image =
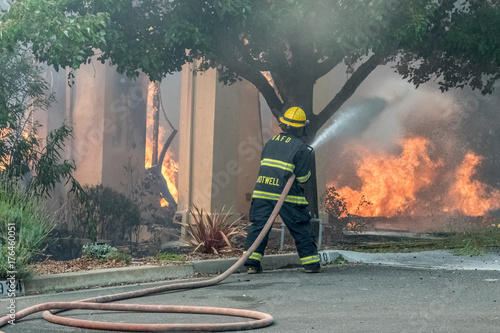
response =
{"points": [[105, 252], [112, 214], [338, 216], [97, 251], [23, 155], [334, 204], [210, 233], [29, 224]]}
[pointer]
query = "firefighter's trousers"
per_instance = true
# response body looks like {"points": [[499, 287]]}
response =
{"points": [[296, 219]]}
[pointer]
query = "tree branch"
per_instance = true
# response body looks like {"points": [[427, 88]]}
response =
{"points": [[255, 77], [347, 90], [248, 59], [267, 91], [322, 68], [251, 70], [165, 148], [155, 171]]}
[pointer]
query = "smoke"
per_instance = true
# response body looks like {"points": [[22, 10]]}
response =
{"points": [[411, 112]]}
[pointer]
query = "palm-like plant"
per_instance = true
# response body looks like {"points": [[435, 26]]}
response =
{"points": [[210, 233]]}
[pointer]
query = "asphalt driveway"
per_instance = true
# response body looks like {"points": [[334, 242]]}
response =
{"points": [[347, 298]]}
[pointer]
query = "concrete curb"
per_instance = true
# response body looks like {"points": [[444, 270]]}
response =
{"points": [[141, 274], [105, 277]]}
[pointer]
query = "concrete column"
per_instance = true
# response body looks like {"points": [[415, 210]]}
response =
{"points": [[87, 103], [107, 111], [219, 143], [250, 144], [185, 129]]}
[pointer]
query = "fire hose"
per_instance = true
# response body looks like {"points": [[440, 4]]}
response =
{"points": [[260, 319]]}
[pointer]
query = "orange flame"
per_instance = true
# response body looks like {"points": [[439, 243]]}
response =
{"points": [[390, 183], [170, 167], [169, 171], [468, 196]]}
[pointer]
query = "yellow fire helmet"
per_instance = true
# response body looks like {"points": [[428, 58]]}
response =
{"points": [[295, 117]]}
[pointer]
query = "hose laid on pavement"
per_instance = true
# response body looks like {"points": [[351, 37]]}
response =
{"points": [[260, 319]]}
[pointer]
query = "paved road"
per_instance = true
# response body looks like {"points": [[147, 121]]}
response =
{"points": [[349, 298]]}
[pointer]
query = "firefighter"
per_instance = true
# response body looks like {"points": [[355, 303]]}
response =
{"points": [[283, 155]]}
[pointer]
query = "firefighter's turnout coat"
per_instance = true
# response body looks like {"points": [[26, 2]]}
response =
{"points": [[283, 155]]}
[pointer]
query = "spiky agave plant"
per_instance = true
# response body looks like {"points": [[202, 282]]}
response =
{"points": [[210, 233]]}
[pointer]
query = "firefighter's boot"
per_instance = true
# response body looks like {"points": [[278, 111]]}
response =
{"points": [[254, 269], [313, 268]]}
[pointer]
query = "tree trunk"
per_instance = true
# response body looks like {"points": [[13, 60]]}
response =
{"points": [[311, 188]]}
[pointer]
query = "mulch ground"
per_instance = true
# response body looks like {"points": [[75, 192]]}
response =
{"points": [[86, 264], [82, 264]]}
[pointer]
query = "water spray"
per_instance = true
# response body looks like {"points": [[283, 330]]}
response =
{"points": [[334, 128], [357, 118]]}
